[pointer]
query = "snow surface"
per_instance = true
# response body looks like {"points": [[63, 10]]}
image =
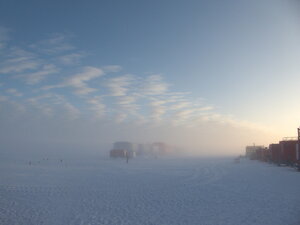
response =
{"points": [[160, 191]]}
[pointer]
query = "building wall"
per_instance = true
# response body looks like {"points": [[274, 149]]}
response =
{"points": [[288, 151], [275, 151], [123, 145]]}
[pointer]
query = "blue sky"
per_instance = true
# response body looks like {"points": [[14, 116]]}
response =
{"points": [[172, 66]]}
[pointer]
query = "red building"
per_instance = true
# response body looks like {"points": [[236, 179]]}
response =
{"points": [[262, 154], [275, 153], [288, 151], [265, 155]]}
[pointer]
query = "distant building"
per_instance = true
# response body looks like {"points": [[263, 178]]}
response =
{"points": [[122, 149], [289, 151], [275, 153], [123, 145], [117, 153], [251, 150]]}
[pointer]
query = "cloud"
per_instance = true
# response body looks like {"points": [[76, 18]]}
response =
{"points": [[18, 60], [57, 43], [79, 81], [125, 106], [176, 109], [123, 89], [154, 85], [158, 112], [158, 109], [127, 99], [97, 106], [14, 92], [38, 76], [180, 105], [128, 106], [112, 68], [87, 74], [45, 103], [119, 86], [71, 59], [158, 102], [205, 108], [36, 99], [54, 105], [18, 67], [183, 116], [151, 99]]}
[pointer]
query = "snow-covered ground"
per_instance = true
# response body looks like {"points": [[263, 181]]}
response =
{"points": [[148, 191]]}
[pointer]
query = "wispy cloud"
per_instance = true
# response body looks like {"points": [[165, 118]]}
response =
{"points": [[158, 109], [57, 43], [18, 60], [131, 98], [158, 112], [205, 108], [45, 103], [52, 104], [154, 85], [180, 105], [126, 100], [14, 92], [112, 68], [79, 81], [183, 116], [71, 59], [36, 77], [97, 106], [128, 106], [119, 86], [55, 98]]}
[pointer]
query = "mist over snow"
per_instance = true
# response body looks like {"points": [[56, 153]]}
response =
{"points": [[23, 130]]}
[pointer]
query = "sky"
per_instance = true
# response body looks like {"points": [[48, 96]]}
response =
{"points": [[207, 76]]}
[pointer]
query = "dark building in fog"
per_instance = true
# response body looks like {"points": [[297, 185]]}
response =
{"points": [[121, 148]]}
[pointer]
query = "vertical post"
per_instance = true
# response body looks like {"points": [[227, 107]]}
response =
{"points": [[298, 149]]}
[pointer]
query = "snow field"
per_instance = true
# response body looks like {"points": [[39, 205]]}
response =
{"points": [[205, 191]]}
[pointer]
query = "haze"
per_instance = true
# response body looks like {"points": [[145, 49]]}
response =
{"points": [[209, 77]]}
